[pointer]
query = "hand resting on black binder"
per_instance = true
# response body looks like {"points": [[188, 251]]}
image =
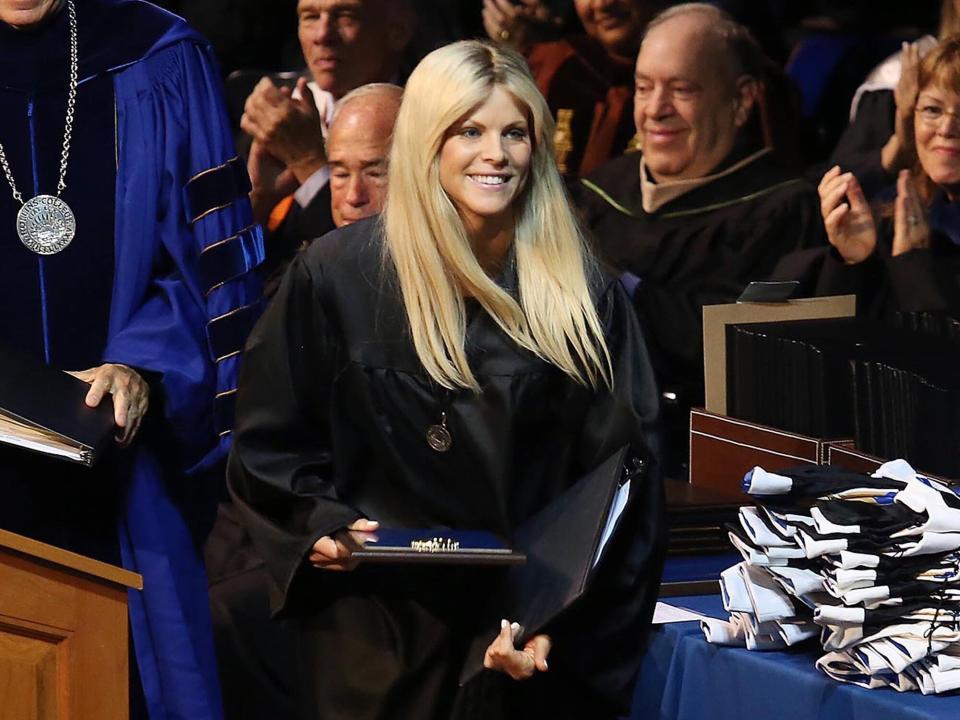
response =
{"points": [[503, 655], [564, 542], [128, 390], [59, 414]]}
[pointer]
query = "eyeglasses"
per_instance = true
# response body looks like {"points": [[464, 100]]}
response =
{"points": [[933, 114]]}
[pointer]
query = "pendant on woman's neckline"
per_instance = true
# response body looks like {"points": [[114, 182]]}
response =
{"points": [[438, 437]]}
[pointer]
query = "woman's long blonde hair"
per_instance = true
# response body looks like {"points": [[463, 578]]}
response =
{"points": [[428, 245]]}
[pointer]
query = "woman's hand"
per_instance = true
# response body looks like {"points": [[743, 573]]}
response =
{"points": [[503, 656], [910, 229], [899, 150], [905, 93], [131, 395], [847, 216], [333, 552]]}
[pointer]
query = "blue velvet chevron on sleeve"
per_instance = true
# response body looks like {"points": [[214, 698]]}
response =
{"points": [[187, 216], [183, 300]]}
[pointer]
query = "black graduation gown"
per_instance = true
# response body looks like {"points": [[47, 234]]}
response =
{"points": [[332, 410], [921, 287], [299, 228], [702, 248], [858, 150]]}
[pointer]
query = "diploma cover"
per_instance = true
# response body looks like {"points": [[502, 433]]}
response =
{"points": [[563, 544], [43, 409], [438, 546]]}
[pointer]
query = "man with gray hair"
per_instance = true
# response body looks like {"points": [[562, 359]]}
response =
{"points": [[356, 150], [357, 147], [705, 207], [346, 44]]}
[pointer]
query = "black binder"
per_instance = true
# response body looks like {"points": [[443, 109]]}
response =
{"points": [[43, 409], [561, 543]]}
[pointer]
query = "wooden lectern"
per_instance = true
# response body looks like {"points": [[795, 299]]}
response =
{"points": [[63, 634]]}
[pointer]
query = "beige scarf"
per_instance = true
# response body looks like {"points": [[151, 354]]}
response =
{"points": [[656, 195]]}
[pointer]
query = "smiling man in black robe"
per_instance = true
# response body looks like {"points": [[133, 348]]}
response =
{"points": [[705, 208]]}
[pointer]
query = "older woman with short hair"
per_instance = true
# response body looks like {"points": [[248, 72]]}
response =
{"points": [[910, 259]]}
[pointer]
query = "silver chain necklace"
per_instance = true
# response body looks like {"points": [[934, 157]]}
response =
{"points": [[45, 223]]}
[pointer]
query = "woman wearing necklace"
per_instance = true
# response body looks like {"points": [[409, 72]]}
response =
{"points": [[124, 235], [458, 362]]}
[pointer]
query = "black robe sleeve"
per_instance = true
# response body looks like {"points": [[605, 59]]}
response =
{"points": [[920, 281], [281, 463], [623, 416], [858, 150], [928, 279], [601, 640], [670, 307]]}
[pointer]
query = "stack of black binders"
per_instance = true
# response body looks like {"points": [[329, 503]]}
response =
{"points": [[895, 391]]}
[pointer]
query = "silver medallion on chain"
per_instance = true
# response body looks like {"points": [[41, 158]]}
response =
{"points": [[45, 223]]}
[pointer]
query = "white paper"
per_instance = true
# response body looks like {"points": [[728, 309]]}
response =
{"points": [[616, 508], [664, 614]]}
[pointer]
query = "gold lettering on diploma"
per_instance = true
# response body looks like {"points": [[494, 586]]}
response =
{"points": [[435, 545], [563, 138]]}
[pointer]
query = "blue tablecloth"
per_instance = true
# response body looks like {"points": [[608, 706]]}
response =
{"points": [[683, 677]]}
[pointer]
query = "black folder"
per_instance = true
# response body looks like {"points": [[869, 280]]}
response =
{"points": [[561, 543], [437, 546], [43, 409]]}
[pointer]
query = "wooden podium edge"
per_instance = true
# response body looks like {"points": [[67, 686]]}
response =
{"points": [[69, 560]]}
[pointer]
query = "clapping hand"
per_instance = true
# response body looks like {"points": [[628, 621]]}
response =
{"points": [[910, 229], [271, 181], [286, 127], [905, 93], [516, 24], [899, 151], [847, 216]]}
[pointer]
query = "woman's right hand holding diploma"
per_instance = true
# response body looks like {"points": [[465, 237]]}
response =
{"points": [[502, 655], [334, 552]]}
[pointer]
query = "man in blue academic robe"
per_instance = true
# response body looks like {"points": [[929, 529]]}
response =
{"points": [[154, 290]]}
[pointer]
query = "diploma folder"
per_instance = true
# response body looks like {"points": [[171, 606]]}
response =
{"points": [[43, 409], [437, 546], [563, 543]]}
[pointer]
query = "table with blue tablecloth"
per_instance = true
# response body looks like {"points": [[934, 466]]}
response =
{"points": [[683, 677]]}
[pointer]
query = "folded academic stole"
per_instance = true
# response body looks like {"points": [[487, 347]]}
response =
{"points": [[870, 563], [43, 409]]}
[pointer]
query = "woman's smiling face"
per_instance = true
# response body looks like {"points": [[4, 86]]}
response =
{"points": [[485, 161], [937, 133]]}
